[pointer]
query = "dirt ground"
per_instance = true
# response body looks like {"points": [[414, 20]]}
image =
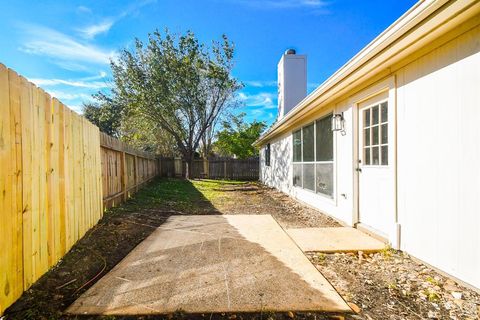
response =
{"points": [[386, 285]]}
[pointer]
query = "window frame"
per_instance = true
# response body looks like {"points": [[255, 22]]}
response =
{"points": [[379, 143], [315, 161], [268, 150]]}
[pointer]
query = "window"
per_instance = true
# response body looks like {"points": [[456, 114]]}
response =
{"points": [[324, 139], [267, 155], [297, 146], [308, 151], [313, 157], [375, 135], [324, 156], [297, 175], [309, 176]]}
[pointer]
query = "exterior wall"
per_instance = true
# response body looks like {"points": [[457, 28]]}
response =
{"points": [[279, 174], [439, 157], [437, 162]]}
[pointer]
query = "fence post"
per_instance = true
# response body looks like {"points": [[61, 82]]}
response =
{"points": [[178, 163], [225, 169], [135, 172], [123, 172], [206, 168]]}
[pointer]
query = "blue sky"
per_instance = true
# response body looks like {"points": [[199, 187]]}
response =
{"points": [[65, 46]]}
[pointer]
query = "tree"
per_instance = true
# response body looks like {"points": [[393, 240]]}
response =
{"points": [[176, 84], [139, 134], [106, 115], [128, 127], [236, 137]]}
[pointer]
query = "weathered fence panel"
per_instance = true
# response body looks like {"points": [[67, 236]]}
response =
{"points": [[234, 169], [50, 182], [230, 169], [124, 170]]}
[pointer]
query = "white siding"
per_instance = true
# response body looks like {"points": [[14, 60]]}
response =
{"points": [[279, 174], [439, 157]]}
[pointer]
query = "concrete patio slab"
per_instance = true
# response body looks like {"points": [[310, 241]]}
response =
{"points": [[331, 240], [203, 264]]}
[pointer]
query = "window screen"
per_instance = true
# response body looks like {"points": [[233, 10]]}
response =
{"points": [[324, 137], [313, 157], [297, 175], [267, 155], [324, 178], [309, 176], [297, 146], [308, 143]]}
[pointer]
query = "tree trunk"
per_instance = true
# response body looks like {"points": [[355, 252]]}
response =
{"points": [[188, 164]]}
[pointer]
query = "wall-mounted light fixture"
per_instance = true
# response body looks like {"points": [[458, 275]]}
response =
{"points": [[338, 122]]}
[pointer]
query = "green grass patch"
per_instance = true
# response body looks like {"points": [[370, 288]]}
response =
{"points": [[188, 196]]}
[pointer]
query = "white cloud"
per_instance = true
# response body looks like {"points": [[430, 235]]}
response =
{"points": [[283, 4], [83, 9], [78, 109], [48, 42], [134, 8], [67, 96], [91, 82], [260, 83], [262, 99], [92, 31], [71, 83]]}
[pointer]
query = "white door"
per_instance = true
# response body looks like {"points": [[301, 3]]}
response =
{"points": [[376, 165]]}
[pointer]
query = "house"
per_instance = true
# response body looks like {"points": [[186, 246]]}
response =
{"points": [[390, 143]]}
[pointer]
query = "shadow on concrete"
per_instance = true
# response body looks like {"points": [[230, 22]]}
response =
{"points": [[170, 275], [212, 264]]}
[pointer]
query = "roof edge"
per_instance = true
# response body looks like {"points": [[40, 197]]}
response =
{"points": [[420, 12]]}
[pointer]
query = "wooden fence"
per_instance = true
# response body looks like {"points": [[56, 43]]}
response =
{"points": [[50, 182], [124, 170], [58, 172], [56, 169], [230, 169]]}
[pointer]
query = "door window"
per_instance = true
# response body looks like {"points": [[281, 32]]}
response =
{"points": [[375, 135]]}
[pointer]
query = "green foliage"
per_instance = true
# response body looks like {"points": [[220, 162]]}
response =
{"points": [[432, 281], [432, 296], [140, 134], [106, 115], [176, 84], [237, 136], [321, 257], [114, 121], [387, 252]]}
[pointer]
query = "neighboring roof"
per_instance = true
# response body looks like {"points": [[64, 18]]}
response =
{"points": [[425, 21]]}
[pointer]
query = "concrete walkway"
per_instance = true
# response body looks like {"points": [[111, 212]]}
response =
{"points": [[330, 240], [203, 264]]}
